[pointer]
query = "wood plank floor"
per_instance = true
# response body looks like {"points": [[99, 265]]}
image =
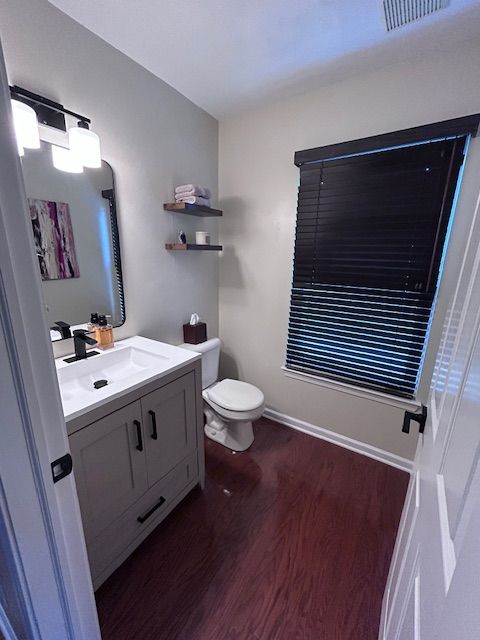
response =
{"points": [[291, 540]]}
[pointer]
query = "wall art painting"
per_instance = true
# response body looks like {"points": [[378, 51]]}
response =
{"points": [[54, 242]]}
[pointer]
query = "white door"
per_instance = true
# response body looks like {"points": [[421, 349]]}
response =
{"points": [[45, 585], [433, 591]]}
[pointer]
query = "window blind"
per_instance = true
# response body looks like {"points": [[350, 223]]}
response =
{"points": [[368, 247]]}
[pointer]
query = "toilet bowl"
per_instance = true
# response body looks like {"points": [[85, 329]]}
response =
{"points": [[230, 406]]}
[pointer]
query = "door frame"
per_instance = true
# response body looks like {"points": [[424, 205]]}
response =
{"points": [[41, 519]]}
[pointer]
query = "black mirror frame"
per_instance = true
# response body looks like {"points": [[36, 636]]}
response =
{"points": [[109, 194]]}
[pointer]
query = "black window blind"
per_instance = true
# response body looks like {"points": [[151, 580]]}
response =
{"points": [[369, 242]]}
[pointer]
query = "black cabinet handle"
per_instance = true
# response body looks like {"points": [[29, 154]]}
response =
{"points": [[421, 418], [142, 519], [154, 425], [139, 446]]}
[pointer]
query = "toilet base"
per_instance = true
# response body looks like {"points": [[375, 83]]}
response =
{"points": [[235, 435]]}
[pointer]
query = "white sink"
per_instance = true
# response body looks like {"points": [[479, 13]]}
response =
{"points": [[129, 365]]}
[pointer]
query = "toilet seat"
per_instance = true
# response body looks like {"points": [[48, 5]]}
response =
{"points": [[226, 414], [234, 396]]}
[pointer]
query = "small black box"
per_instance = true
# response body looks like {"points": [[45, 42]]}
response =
{"points": [[195, 333]]}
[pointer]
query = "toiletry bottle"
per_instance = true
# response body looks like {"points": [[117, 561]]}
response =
{"points": [[93, 324], [104, 333]]}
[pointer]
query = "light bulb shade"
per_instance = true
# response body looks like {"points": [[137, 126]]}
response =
{"points": [[85, 145], [21, 150], [65, 160], [26, 125]]}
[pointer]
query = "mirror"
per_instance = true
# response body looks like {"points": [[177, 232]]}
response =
{"points": [[74, 224]]}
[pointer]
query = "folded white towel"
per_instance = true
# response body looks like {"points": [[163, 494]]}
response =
{"points": [[205, 202], [193, 190]]}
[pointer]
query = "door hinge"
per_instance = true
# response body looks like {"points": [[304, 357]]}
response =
{"points": [[421, 418], [62, 467]]}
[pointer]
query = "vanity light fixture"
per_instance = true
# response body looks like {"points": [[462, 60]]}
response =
{"points": [[26, 126], [64, 160], [85, 145]]}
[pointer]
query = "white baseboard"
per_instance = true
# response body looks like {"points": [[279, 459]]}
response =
{"points": [[342, 441]]}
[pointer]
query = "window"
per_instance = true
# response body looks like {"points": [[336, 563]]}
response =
{"points": [[371, 229]]}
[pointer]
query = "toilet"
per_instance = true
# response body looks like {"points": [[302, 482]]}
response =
{"points": [[230, 406]]}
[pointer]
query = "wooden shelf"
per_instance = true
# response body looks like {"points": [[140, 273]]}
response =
{"points": [[193, 247], [192, 209]]}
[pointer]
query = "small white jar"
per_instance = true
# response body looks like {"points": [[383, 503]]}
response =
{"points": [[202, 237]]}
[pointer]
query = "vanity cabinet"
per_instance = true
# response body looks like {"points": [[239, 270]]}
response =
{"points": [[133, 465]]}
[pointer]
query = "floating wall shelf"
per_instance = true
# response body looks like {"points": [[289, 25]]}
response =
{"points": [[193, 247], [192, 209]]}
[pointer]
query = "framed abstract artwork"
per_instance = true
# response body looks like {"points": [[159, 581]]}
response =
{"points": [[54, 241]]}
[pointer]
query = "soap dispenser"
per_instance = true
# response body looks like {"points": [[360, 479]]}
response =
{"points": [[93, 324], [104, 333]]}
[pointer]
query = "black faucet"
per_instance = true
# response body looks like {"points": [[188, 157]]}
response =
{"points": [[63, 329], [80, 341]]}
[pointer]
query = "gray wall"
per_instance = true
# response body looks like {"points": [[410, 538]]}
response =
{"points": [[153, 137], [258, 182]]}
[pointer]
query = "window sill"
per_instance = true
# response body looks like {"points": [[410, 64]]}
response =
{"points": [[343, 387]]}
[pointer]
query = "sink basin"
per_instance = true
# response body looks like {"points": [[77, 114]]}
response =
{"points": [[115, 366], [130, 364]]}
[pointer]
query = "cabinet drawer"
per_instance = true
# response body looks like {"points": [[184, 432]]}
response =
{"points": [[125, 533]]}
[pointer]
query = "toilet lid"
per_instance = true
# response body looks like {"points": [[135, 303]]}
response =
{"points": [[236, 395]]}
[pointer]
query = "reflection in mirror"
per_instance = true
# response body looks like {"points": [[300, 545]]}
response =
{"points": [[76, 241]]}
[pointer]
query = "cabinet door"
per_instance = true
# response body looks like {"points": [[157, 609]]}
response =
{"points": [[109, 466], [169, 418]]}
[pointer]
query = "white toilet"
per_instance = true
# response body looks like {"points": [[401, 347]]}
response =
{"points": [[229, 405]]}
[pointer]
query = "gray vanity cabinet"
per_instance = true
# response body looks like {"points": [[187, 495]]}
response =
{"points": [[110, 469], [134, 459], [169, 419]]}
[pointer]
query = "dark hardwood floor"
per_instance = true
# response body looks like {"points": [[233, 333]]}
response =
{"points": [[290, 540]]}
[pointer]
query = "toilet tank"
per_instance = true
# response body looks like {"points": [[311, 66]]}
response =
{"points": [[210, 350]]}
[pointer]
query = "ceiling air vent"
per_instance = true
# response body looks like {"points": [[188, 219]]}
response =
{"points": [[401, 12]]}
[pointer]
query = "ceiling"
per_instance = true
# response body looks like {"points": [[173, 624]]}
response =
{"points": [[228, 55]]}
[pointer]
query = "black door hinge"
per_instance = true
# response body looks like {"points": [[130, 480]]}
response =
{"points": [[62, 467], [421, 418]]}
